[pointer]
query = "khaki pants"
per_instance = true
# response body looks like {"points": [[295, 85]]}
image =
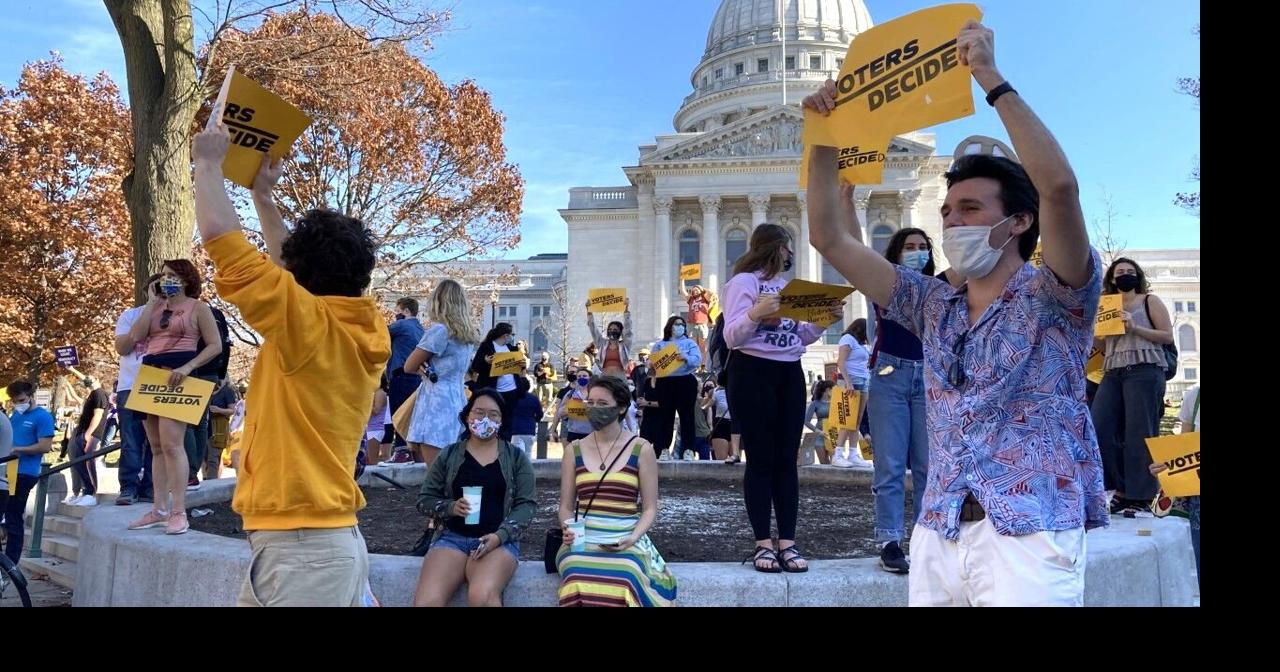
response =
{"points": [[987, 569], [306, 568]]}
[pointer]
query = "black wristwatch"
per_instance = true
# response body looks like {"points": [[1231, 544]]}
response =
{"points": [[999, 91]]}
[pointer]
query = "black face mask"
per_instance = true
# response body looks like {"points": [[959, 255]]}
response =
{"points": [[786, 265], [615, 335], [1127, 283]]}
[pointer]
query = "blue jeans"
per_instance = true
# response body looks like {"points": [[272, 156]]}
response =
{"points": [[14, 509], [402, 386], [895, 407], [135, 452], [1193, 510]]}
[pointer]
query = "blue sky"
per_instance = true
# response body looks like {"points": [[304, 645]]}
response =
{"points": [[583, 83]]}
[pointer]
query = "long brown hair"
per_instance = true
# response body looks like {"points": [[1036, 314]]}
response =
{"points": [[858, 330], [764, 253]]}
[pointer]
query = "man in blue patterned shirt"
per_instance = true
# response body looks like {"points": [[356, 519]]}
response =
{"points": [[1015, 477]]}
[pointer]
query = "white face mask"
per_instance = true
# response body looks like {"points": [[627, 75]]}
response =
{"points": [[23, 407], [968, 249]]}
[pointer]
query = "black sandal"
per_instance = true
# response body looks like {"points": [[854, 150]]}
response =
{"points": [[767, 554], [789, 562]]}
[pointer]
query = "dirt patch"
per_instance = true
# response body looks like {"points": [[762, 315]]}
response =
{"points": [[698, 521]]}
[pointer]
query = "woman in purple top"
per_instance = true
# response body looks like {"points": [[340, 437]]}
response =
{"points": [[767, 392]]}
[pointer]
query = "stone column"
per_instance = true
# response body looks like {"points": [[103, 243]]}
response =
{"points": [[860, 203], [711, 244], [662, 259], [759, 208], [808, 260], [907, 202]]}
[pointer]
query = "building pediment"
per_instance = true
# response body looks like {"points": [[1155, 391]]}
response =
{"points": [[773, 134]]}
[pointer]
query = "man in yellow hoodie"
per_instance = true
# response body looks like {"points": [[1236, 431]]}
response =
{"points": [[325, 347]]}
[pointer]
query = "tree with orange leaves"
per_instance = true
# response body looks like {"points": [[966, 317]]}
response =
{"points": [[420, 162], [65, 261]]}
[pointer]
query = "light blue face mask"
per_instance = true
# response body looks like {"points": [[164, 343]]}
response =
{"points": [[915, 260], [677, 331]]}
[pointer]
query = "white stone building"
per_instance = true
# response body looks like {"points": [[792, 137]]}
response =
{"points": [[1174, 276], [528, 294], [733, 163]]}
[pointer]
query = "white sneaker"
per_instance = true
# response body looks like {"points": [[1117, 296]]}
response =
{"points": [[70, 499], [86, 500], [690, 456], [665, 456], [841, 461]]}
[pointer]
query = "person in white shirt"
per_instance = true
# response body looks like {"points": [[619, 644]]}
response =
{"points": [[135, 451]]}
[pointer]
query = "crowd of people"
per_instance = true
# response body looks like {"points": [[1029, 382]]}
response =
{"points": [[970, 378]]}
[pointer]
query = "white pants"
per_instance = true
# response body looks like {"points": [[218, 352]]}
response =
{"points": [[525, 442], [987, 569]]}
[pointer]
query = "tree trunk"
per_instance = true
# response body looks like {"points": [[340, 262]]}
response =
{"points": [[164, 94], [39, 341]]}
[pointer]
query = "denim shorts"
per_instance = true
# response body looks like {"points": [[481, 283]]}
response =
{"points": [[466, 545]]}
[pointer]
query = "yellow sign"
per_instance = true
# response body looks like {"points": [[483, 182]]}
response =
{"points": [[831, 432], [666, 361], [845, 409], [1037, 257], [691, 272], [1093, 366], [607, 301], [1181, 453], [508, 363], [1109, 321], [11, 474], [812, 302], [897, 77], [152, 395], [576, 409], [259, 121]]}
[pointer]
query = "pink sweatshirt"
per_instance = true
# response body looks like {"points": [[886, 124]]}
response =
{"points": [[779, 339]]}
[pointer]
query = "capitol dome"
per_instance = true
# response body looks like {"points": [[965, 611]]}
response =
{"points": [[742, 69]]}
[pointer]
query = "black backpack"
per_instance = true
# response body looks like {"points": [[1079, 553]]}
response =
{"points": [[216, 367]]}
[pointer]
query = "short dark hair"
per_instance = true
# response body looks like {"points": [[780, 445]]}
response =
{"points": [[671, 321], [464, 416], [410, 304], [522, 385], [616, 388], [1017, 193], [498, 331], [330, 254], [1109, 280], [18, 387], [193, 286], [893, 252], [613, 324]]}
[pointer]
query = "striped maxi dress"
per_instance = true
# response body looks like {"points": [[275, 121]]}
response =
{"points": [[596, 577]]}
